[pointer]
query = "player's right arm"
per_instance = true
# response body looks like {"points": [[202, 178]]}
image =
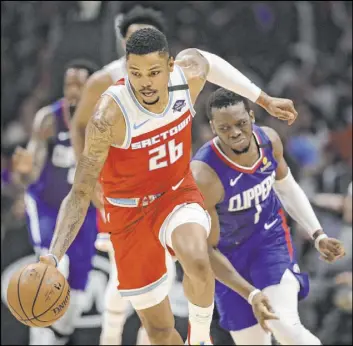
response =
{"points": [[93, 89], [106, 126], [28, 163], [213, 192]]}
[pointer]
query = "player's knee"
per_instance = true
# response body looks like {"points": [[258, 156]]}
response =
{"points": [[159, 336]]}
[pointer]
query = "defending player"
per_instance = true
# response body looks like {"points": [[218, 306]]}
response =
{"points": [[238, 172], [140, 138], [46, 168]]}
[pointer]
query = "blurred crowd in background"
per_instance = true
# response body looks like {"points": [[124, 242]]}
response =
{"points": [[301, 50]]}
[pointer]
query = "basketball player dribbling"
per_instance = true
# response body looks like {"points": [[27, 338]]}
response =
{"points": [[245, 181], [138, 142], [46, 170], [115, 308]]}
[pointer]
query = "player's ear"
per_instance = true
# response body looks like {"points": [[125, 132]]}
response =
{"points": [[123, 43], [252, 116], [171, 64], [212, 127]]}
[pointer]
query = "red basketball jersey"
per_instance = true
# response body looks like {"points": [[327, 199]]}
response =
{"points": [[155, 155]]}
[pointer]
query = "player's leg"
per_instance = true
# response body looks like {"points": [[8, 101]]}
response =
{"points": [[142, 275], [159, 323], [186, 231], [115, 308], [288, 330], [253, 335], [272, 271]]}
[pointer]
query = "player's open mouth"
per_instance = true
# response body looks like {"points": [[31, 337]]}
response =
{"points": [[148, 93]]}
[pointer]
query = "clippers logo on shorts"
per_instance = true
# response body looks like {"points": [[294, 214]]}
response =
{"points": [[179, 105]]}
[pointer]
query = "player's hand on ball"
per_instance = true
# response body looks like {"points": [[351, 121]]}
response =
{"points": [[22, 161], [263, 311], [279, 108], [47, 259], [331, 249]]}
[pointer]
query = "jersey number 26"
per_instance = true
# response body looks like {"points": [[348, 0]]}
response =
{"points": [[161, 153]]}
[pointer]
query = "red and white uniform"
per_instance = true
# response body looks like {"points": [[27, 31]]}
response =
{"points": [[149, 189], [116, 70]]}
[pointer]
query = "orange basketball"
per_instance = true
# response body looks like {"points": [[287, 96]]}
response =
{"points": [[38, 295]]}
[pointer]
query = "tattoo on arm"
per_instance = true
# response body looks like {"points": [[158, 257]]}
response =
{"points": [[99, 137]]}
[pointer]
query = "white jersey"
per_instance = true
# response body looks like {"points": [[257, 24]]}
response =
{"points": [[140, 121], [116, 69]]}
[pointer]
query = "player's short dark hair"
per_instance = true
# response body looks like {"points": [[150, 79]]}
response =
{"points": [[146, 41], [88, 65], [224, 98], [142, 15]]}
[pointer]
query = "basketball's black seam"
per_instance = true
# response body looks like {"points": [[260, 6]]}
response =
{"points": [[18, 294], [36, 317], [40, 284]]}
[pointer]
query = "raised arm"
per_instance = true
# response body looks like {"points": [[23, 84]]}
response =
{"points": [[212, 190], [27, 164], [200, 66], [297, 204], [106, 126], [93, 89]]}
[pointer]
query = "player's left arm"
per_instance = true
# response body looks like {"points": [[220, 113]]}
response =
{"points": [[199, 66], [297, 204]]}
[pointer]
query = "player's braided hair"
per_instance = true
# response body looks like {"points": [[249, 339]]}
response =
{"points": [[142, 15], [224, 98], [146, 41]]}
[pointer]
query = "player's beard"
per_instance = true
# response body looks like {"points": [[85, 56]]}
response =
{"points": [[150, 103], [242, 151]]}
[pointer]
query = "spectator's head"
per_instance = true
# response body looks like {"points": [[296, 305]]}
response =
{"points": [[231, 119], [139, 18], [76, 75], [149, 65]]}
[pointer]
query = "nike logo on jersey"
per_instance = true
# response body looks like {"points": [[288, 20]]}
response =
{"points": [[63, 136], [177, 185], [234, 181], [268, 226], [137, 126]]}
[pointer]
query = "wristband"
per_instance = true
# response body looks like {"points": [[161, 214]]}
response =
{"points": [[252, 295], [55, 259], [317, 240]]}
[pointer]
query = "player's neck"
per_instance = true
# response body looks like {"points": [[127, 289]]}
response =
{"points": [[246, 159]]}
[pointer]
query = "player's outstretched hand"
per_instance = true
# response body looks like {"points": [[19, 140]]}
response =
{"points": [[22, 161], [331, 249], [282, 109], [263, 311]]}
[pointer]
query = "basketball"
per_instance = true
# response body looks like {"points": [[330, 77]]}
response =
{"points": [[38, 295]]}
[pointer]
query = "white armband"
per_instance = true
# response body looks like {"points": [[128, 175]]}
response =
{"points": [[296, 203], [227, 76]]}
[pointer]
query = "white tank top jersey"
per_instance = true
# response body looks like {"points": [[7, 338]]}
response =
{"points": [[116, 69], [140, 121]]}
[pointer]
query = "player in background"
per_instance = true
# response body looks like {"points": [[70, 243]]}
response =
{"points": [[246, 181], [138, 142], [46, 169], [116, 309]]}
